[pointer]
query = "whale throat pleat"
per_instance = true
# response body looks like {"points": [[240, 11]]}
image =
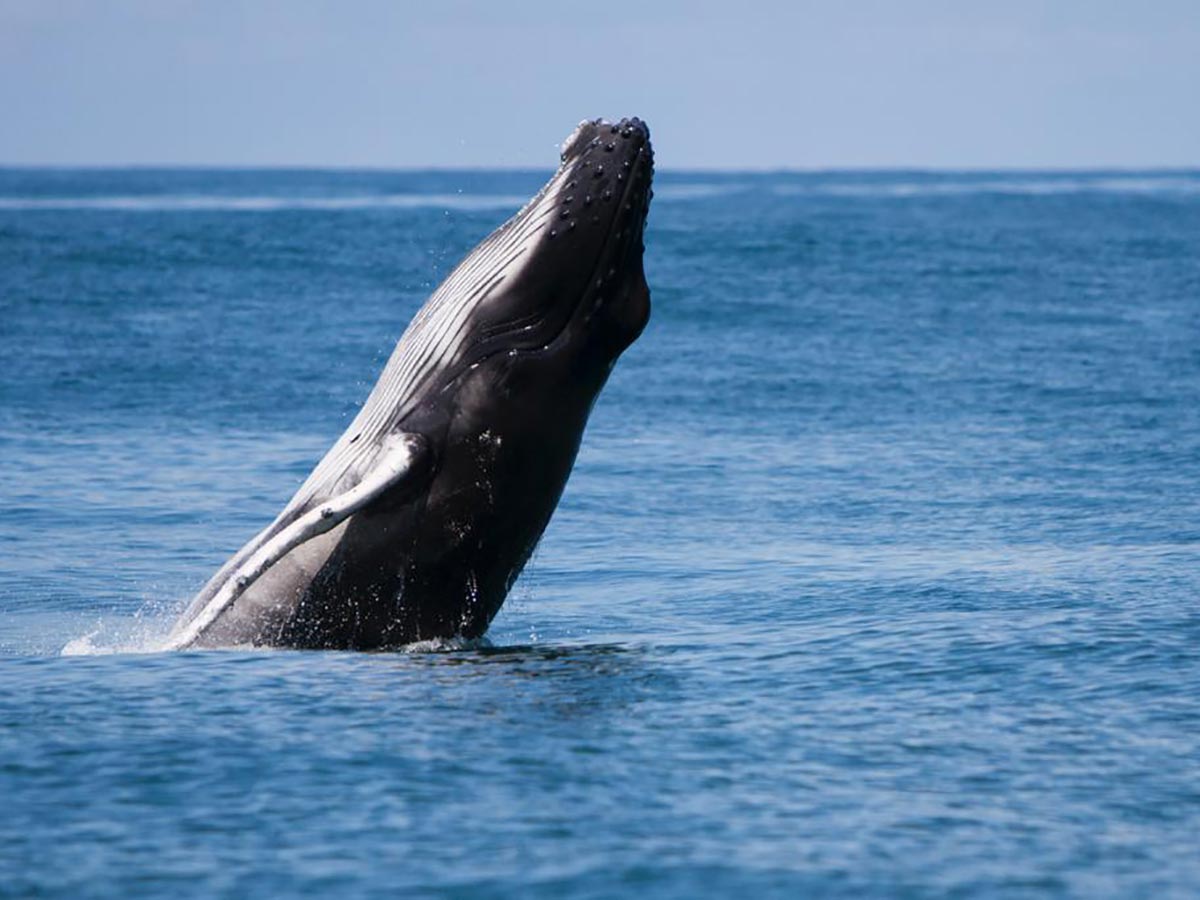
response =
{"points": [[432, 341]]}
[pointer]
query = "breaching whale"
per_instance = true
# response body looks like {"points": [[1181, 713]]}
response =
{"points": [[417, 522]]}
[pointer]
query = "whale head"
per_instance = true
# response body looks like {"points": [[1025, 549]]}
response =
{"points": [[565, 274]]}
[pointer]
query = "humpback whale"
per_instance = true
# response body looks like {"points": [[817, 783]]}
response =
{"points": [[419, 519]]}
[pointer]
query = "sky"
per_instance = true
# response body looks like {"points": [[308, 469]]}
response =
{"points": [[754, 84]]}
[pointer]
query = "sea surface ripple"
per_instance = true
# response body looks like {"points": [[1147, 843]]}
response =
{"points": [[878, 574]]}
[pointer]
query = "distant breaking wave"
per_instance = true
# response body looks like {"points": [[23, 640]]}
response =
{"points": [[867, 185], [270, 203], [1115, 184], [225, 203]]}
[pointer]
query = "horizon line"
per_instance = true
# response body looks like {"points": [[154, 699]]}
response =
{"points": [[1164, 168]]}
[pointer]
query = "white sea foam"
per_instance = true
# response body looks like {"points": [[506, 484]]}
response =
{"points": [[102, 641], [85, 645], [696, 190], [1032, 186], [446, 645], [272, 203], [143, 632], [148, 634], [263, 203]]}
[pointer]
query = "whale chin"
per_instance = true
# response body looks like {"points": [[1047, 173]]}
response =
{"points": [[418, 520]]}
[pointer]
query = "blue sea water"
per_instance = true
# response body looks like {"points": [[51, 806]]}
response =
{"points": [[878, 573]]}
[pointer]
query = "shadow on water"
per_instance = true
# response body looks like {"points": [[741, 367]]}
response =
{"points": [[484, 653]]}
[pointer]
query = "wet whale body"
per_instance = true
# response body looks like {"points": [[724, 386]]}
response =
{"points": [[417, 522]]}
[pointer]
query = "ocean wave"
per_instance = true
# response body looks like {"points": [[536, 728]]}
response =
{"points": [[271, 203], [1181, 184], [695, 191], [263, 203]]}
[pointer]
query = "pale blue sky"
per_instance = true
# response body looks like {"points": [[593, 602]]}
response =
{"points": [[927, 83]]}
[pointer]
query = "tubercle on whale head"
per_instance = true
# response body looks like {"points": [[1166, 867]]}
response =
{"points": [[580, 281], [620, 309], [592, 131], [610, 169], [610, 166]]}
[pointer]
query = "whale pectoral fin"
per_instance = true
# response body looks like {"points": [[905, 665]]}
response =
{"points": [[402, 468], [404, 464]]}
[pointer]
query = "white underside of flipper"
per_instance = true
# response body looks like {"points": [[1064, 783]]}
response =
{"points": [[396, 461]]}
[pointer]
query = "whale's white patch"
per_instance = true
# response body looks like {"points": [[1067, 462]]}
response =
{"points": [[396, 460]]}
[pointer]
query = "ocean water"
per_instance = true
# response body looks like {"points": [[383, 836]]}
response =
{"points": [[878, 573]]}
